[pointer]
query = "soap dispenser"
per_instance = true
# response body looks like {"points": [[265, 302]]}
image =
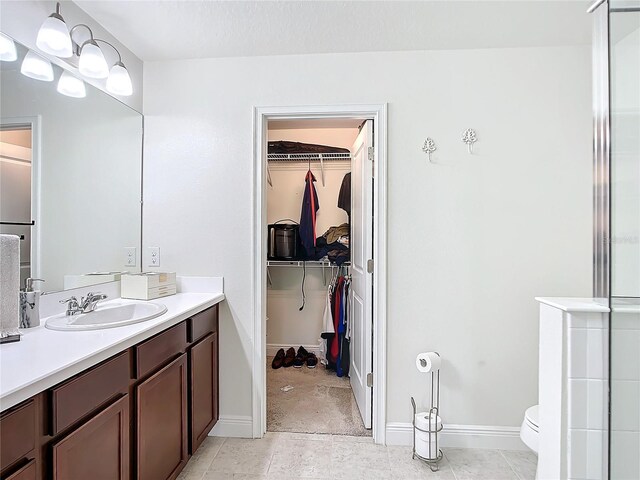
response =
{"points": [[30, 304]]}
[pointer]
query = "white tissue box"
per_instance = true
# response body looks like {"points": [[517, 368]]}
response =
{"points": [[147, 285]]}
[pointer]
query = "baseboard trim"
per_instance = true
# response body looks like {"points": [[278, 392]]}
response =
{"points": [[233, 426], [272, 348], [461, 436]]}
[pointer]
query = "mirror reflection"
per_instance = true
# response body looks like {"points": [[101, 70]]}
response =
{"points": [[70, 174]]}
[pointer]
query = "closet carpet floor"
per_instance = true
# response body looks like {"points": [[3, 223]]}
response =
{"points": [[319, 402]]}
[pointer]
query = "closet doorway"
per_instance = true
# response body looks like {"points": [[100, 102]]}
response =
{"points": [[320, 312]]}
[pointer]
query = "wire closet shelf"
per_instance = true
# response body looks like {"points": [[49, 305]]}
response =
{"points": [[307, 157]]}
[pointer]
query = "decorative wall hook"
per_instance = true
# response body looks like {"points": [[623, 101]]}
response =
{"points": [[429, 147], [469, 137]]}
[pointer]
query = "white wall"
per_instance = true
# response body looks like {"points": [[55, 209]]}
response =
{"points": [[287, 325], [472, 238], [21, 19]]}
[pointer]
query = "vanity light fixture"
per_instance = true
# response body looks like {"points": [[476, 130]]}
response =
{"points": [[71, 86], [36, 67], [53, 37], [8, 51]]}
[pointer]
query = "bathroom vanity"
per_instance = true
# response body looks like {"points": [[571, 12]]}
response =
{"points": [[139, 407]]}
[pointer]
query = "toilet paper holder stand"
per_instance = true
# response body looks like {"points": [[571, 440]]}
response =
{"points": [[433, 429]]}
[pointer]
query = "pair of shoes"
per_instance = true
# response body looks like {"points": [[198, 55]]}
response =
{"points": [[303, 357], [283, 359]]}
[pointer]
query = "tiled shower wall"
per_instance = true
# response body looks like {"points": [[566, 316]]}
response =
{"points": [[587, 372], [625, 392]]}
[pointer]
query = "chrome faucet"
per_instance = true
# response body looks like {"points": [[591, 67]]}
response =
{"points": [[86, 305]]}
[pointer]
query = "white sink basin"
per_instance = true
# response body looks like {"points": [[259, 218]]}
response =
{"points": [[107, 315]]}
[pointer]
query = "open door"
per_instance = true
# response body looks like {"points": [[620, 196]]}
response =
{"points": [[361, 280]]}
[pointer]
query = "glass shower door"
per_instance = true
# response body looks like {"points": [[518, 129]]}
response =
{"points": [[624, 50]]}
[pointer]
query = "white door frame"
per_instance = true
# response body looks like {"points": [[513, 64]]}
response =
{"points": [[377, 112]]}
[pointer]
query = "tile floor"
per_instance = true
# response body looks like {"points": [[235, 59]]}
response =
{"points": [[288, 456]]}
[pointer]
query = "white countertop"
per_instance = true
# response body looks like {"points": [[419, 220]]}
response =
{"points": [[576, 304], [44, 358]]}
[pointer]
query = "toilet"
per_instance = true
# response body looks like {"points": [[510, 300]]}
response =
{"points": [[530, 428]]}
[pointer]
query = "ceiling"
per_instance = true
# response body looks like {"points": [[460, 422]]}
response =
{"points": [[180, 29]]}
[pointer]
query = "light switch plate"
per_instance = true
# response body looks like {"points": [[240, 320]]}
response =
{"points": [[130, 256], [154, 256]]}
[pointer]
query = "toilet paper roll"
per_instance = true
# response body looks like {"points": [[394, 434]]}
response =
{"points": [[423, 419], [427, 362]]}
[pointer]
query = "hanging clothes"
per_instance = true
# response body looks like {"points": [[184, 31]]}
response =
{"points": [[337, 325], [344, 197], [310, 207]]}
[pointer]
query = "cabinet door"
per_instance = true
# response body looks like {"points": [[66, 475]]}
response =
{"points": [[204, 388], [162, 422], [99, 449], [18, 434]]}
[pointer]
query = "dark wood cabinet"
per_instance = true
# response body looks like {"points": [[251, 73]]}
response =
{"points": [[139, 414], [203, 386], [99, 449], [161, 422]]}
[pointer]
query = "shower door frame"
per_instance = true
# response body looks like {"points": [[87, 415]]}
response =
{"points": [[601, 152]]}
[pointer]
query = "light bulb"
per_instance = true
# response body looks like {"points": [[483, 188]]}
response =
{"points": [[7, 49], [92, 63], [71, 86], [37, 67], [53, 37], [119, 81]]}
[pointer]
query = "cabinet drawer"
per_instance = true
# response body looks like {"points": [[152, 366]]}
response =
{"points": [[28, 472], [203, 323], [17, 433], [88, 391], [160, 349]]}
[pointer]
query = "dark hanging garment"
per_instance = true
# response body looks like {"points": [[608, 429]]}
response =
{"points": [[345, 356], [344, 197], [308, 215]]}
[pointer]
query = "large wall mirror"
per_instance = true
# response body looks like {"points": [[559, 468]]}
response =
{"points": [[70, 175]]}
